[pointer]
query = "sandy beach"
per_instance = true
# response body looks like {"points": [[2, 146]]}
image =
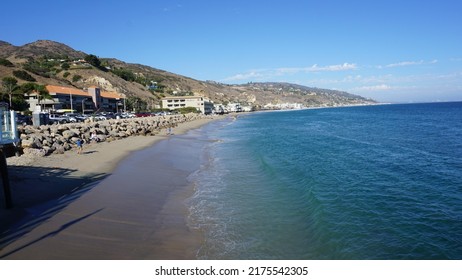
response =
{"points": [[63, 209]]}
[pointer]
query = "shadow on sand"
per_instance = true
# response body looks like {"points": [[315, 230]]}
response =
{"points": [[38, 194], [51, 234], [89, 152]]}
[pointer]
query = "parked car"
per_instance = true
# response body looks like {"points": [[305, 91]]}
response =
{"points": [[81, 118], [101, 117], [127, 115], [23, 120], [109, 115], [55, 118], [74, 117], [143, 114]]}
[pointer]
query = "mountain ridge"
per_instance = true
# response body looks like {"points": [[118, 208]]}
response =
{"points": [[63, 65]]}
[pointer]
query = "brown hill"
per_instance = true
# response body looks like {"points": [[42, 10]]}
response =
{"points": [[58, 64], [39, 49], [6, 49]]}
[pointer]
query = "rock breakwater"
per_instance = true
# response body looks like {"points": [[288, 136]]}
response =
{"points": [[58, 138]]}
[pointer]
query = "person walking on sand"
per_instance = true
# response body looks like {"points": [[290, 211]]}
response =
{"points": [[94, 137], [79, 146]]}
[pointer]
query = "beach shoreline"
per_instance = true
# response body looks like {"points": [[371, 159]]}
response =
{"points": [[43, 187]]}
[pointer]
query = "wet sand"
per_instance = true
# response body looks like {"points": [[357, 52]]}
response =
{"points": [[137, 212]]}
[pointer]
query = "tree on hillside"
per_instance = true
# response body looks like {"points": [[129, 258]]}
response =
{"points": [[39, 67], [6, 62], [93, 60], [23, 75], [9, 85], [65, 66], [76, 78], [125, 74]]}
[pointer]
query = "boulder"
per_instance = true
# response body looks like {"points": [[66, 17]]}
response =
{"points": [[37, 143], [46, 143], [35, 152], [48, 139], [101, 137], [58, 149], [102, 130], [67, 147], [60, 128], [67, 134], [28, 143], [47, 150]]}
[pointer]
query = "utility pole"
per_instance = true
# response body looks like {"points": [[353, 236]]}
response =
{"points": [[83, 105], [70, 96]]}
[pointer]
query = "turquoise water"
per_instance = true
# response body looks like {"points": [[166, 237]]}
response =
{"points": [[375, 182]]}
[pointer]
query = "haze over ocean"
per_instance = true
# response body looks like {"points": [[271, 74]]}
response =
{"points": [[375, 182]]}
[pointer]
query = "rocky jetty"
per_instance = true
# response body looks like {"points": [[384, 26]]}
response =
{"points": [[58, 138]]}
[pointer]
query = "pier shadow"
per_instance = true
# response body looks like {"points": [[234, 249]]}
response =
{"points": [[51, 234], [39, 193]]}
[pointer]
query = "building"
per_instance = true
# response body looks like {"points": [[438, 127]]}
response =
{"points": [[202, 104], [234, 107], [284, 106], [66, 98]]}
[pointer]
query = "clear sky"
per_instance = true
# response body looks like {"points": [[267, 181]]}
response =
{"points": [[392, 51]]}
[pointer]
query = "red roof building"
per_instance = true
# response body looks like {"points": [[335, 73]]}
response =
{"points": [[67, 98]]}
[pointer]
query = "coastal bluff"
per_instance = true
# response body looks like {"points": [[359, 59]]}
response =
{"points": [[58, 138]]}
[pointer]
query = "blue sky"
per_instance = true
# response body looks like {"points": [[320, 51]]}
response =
{"points": [[392, 51]]}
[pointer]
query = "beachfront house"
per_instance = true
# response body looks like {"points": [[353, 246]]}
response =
{"points": [[234, 107], [202, 104], [72, 99]]}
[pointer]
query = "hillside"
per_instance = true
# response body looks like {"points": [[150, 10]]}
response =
{"points": [[54, 63]]}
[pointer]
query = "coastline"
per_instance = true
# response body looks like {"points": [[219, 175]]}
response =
{"points": [[55, 193]]}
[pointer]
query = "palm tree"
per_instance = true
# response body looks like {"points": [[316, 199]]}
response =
{"points": [[9, 85], [40, 90], [42, 93]]}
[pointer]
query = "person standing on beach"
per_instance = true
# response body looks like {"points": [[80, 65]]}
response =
{"points": [[94, 137], [79, 146]]}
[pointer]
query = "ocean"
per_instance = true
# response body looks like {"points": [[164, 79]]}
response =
{"points": [[370, 182]]}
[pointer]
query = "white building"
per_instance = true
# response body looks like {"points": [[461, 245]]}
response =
{"points": [[202, 104], [283, 106], [234, 107], [247, 109]]}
